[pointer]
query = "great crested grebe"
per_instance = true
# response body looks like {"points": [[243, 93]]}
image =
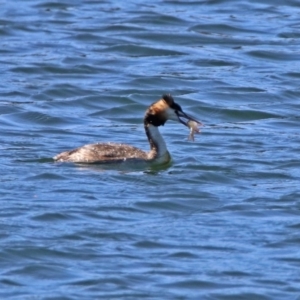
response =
{"points": [[156, 115]]}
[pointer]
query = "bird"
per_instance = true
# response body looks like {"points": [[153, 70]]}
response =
{"points": [[157, 114]]}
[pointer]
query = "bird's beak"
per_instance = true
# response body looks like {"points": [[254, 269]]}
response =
{"points": [[185, 118]]}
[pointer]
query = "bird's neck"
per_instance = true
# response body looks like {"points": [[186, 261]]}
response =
{"points": [[158, 148]]}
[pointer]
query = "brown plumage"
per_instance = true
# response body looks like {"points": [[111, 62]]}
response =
{"points": [[102, 152], [156, 115]]}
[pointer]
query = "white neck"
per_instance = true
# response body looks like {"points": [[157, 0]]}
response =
{"points": [[157, 143]]}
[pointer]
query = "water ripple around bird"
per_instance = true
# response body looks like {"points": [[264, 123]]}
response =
{"points": [[221, 221]]}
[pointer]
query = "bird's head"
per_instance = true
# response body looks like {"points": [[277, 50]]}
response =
{"points": [[166, 109]]}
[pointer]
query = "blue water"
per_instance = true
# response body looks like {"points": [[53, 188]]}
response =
{"points": [[222, 221]]}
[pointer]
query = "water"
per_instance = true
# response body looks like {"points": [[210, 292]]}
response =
{"points": [[222, 221]]}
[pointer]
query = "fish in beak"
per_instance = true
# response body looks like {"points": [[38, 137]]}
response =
{"points": [[184, 118]]}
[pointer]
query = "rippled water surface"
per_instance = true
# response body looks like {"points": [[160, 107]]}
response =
{"points": [[222, 221]]}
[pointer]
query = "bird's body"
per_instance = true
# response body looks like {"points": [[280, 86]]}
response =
{"points": [[156, 115]]}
